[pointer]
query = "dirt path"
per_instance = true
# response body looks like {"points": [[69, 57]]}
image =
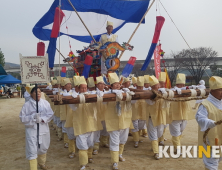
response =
{"points": [[12, 148]]}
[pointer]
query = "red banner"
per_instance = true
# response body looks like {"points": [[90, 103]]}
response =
{"points": [[157, 60]]}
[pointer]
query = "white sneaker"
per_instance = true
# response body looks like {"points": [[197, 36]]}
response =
{"points": [[115, 166], [95, 152], [136, 144], [66, 145], [83, 167], [121, 158], [156, 156], [161, 143]]}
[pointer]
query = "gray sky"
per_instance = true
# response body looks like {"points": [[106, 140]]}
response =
{"points": [[199, 21]]}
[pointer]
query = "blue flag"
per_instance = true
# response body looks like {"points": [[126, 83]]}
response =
{"points": [[95, 14]]}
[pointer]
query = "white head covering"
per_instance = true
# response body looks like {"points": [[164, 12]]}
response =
{"points": [[109, 23], [202, 82]]}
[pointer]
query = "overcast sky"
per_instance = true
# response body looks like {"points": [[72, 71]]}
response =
{"points": [[200, 22]]}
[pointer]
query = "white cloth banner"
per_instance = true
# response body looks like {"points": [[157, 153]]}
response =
{"points": [[34, 69]]}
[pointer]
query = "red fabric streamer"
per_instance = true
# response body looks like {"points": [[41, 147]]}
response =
{"points": [[57, 22], [159, 24]]}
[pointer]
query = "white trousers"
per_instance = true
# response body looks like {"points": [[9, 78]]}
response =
{"points": [[211, 163], [154, 132], [117, 137], [54, 119], [31, 144], [145, 126], [97, 136], [70, 133], [165, 126], [63, 128], [58, 122], [86, 140], [177, 127], [138, 125], [104, 131]]}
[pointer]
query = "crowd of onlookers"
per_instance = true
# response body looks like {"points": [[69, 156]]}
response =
{"points": [[8, 90]]}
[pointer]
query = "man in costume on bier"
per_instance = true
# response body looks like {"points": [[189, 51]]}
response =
{"points": [[108, 37]]}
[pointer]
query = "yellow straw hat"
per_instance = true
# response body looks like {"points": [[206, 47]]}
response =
{"points": [[140, 81], [134, 80], [215, 82], [162, 77], [99, 80], [76, 80], [54, 82], [153, 80], [66, 81], [109, 23], [126, 79], [113, 78], [181, 78], [82, 80], [146, 79], [90, 82], [29, 88]]}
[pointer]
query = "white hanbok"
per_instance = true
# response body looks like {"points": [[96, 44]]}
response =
{"points": [[177, 127], [49, 87], [65, 93], [205, 123], [27, 117]]}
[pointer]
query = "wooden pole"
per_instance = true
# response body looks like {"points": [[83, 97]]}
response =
{"points": [[137, 27], [92, 98], [82, 21]]}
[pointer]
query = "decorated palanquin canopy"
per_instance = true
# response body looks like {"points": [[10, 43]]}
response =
{"points": [[95, 70]]}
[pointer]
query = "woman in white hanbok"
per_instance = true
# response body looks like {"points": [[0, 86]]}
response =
{"points": [[29, 117]]}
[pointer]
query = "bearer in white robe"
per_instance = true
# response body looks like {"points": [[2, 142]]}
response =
{"points": [[209, 112], [57, 110], [29, 117], [118, 117], [138, 113], [64, 109], [162, 81], [85, 132], [103, 135], [178, 114], [156, 118]]}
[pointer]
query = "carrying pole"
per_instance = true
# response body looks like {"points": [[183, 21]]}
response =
{"points": [[137, 27], [82, 21], [37, 111]]}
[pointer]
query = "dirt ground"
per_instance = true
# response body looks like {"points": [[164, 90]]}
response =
{"points": [[12, 148]]}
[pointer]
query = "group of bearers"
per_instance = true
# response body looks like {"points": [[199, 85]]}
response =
{"points": [[90, 125]]}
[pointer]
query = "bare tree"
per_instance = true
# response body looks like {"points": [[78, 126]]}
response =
{"points": [[188, 59], [172, 65], [137, 70]]}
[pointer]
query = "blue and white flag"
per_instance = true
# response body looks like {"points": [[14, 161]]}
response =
{"points": [[95, 14]]}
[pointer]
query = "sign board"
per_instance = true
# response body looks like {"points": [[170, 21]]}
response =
{"points": [[34, 69]]}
